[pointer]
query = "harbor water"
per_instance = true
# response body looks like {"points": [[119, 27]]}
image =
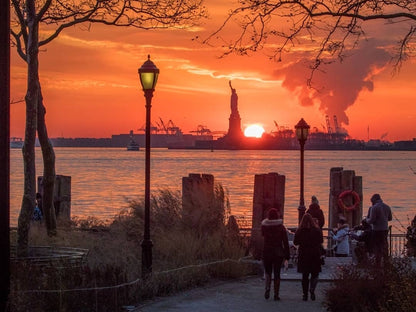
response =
{"points": [[105, 179]]}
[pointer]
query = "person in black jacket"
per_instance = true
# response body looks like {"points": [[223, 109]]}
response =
{"points": [[316, 212], [309, 239], [318, 215], [275, 250]]}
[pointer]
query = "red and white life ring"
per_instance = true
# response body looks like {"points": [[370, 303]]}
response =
{"points": [[356, 200]]}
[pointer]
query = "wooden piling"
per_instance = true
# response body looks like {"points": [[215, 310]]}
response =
{"points": [[269, 192], [197, 197], [61, 197], [344, 180]]}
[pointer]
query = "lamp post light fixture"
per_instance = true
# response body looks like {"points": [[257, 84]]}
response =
{"points": [[148, 73], [302, 131]]}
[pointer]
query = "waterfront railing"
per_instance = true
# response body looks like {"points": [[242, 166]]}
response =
{"points": [[396, 241]]}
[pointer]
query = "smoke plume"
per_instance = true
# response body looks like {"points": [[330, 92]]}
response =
{"points": [[336, 86]]}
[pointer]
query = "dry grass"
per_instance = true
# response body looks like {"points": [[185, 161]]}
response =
{"points": [[114, 258]]}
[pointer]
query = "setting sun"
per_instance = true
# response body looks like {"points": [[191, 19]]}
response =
{"points": [[254, 131]]}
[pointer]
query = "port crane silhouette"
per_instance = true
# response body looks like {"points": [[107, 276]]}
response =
{"points": [[161, 126], [203, 130]]}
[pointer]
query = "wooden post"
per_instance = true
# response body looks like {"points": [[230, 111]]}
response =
{"points": [[343, 180], [269, 192], [197, 197], [357, 215], [61, 197]]}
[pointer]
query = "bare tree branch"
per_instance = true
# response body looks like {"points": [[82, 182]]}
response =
{"points": [[150, 14], [332, 26], [17, 101], [43, 9]]}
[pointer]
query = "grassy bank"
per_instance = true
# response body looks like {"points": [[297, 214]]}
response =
{"points": [[184, 256]]}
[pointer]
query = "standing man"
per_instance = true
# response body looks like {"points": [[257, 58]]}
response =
{"points": [[379, 215]]}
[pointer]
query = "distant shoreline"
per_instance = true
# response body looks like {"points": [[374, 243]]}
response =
{"points": [[192, 142]]}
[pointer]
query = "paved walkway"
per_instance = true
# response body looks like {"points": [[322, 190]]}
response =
{"points": [[247, 295]]}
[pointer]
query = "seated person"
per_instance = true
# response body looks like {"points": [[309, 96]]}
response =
{"points": [[341, 235]]}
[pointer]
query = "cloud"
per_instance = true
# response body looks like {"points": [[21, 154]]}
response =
{"points": [[336, 86], [74, 41], [66, 83], [247, 76]]}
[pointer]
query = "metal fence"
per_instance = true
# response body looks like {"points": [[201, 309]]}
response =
{"points": [[397, 245], [397, 242]]}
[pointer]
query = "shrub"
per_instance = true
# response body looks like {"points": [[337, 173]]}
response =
{"points": [[368, 289], [411, 238]]}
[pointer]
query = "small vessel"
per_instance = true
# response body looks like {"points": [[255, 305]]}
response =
{"points": [[133, 145], [16, 142]]}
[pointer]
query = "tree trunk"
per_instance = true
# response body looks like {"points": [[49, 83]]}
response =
{"points": [[48, 181], [32, 96]]}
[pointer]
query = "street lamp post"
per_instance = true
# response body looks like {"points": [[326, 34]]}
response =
{"points": [[302, 131], [148, 73]]}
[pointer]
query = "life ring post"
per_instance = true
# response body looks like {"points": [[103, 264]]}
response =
{"points": [[355, 200]]}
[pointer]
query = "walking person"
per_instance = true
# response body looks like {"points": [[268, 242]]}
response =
{"points": [[309, 239], [341, 235], [318, 215], [378, 217], [275, 250]]}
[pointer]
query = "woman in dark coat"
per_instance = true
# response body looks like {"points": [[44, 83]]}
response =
{"points": [[316, 212], [309, 239], [318, 215], [275, 250]]}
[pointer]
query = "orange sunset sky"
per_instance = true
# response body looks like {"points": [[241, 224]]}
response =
{"points": [[91, 87]]}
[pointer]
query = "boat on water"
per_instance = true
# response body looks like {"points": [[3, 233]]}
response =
{"points": [[133, 145], [16, 142]]}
